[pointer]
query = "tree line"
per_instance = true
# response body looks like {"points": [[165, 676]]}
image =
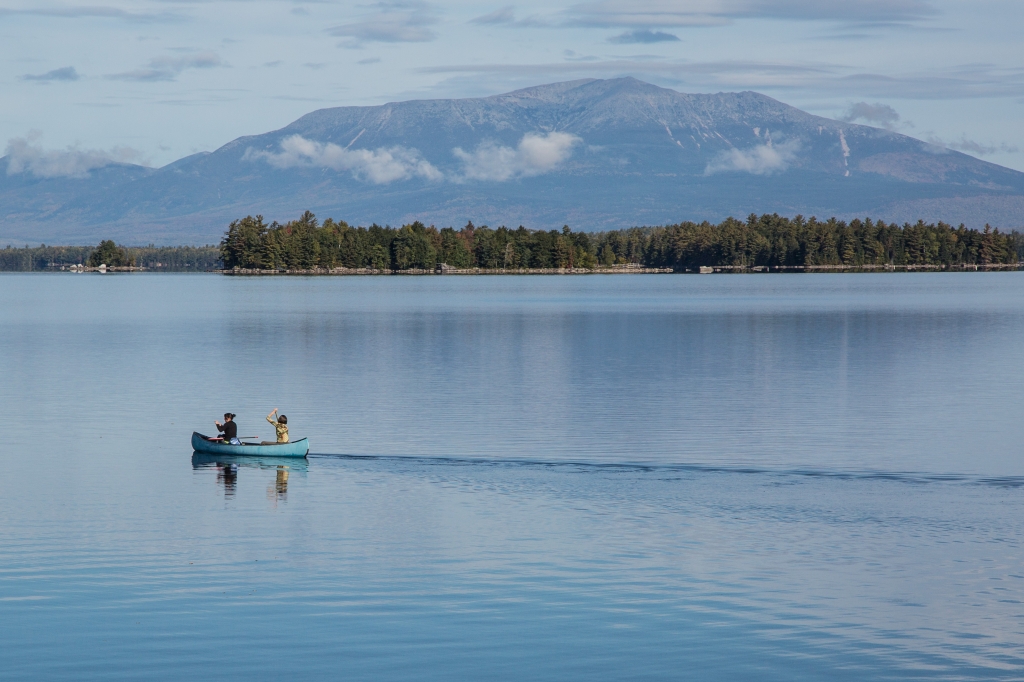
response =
{"points": [[159, 258], [766, 240]]}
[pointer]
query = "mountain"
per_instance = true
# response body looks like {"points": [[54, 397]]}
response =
{"points": [[594, 154]]}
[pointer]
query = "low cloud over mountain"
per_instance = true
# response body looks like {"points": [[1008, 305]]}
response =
{"points": [[26, 155], [535, 154], [379, 166]]}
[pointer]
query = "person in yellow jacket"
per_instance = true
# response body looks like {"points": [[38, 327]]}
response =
{"points": [[280, 425]]}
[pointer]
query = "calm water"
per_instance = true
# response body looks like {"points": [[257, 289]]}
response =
{"points": [[777, 477]]}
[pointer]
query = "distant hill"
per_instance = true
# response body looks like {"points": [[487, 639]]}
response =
{"points": [[595, 154]]}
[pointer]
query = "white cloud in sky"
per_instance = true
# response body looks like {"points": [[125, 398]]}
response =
{"points": [[66, 73], [643, 36], [393, 22], [168, 68], [379, 166], [92, 11], [503, 15], [973, 147], [660, 13], [535, 154], [763, 159], [26, 155]]}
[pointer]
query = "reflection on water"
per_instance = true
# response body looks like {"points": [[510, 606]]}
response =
{"points": [[227, 475], [227, 468], [278, 490], [724, 478], [747, 573], [204, 461]]}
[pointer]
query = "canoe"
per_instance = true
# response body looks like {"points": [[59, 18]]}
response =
{"points": [[203, 444]]}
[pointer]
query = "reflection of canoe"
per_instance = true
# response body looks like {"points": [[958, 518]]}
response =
{"points": [[203, 461], [201, 443]]}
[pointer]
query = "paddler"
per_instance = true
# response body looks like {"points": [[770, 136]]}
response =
{"points": [[229, 429], [280, 425]]}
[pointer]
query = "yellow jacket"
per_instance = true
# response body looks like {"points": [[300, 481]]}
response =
{"points": [[282, 430]]}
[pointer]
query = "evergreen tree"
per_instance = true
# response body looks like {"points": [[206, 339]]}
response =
{"points": [[110, 254]]}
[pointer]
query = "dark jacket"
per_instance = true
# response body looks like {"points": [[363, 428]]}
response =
{"points": [[230, 430]]}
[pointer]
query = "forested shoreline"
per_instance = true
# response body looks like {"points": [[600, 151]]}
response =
{"points": [[760, 242], [156, 258], [767, 241]]}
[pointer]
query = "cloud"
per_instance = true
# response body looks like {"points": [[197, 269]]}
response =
{"points": [[25, 156], [764, 159], [661, 13], [168, 68], [881, 115], [534, 155], [643, 36], [379, 166], [732, 75], [958, 82], [93, 11], [394, 22], [955, 83], [505, 15], [66, 73], [871, 11], [972, 147], [573, 56]]}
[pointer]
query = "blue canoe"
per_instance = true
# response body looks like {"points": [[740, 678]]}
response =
{"points": [[203, 444]]}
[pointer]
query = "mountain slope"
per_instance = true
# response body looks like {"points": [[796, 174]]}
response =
{"points": [[594, 154]]}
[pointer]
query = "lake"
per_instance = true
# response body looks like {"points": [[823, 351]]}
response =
{"points": [[642, 477]]}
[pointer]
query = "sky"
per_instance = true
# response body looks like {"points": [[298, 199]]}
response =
{"points": [[152, 81]]}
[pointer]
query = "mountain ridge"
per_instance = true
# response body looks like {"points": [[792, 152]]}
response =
{"points": [[592, 153]]}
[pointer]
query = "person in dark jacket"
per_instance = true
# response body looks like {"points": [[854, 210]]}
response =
{"points": [[229, 429]]}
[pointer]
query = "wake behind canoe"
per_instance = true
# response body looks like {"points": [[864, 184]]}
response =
{"points": [[203, 444]]}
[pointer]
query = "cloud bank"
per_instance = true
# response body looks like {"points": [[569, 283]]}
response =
{"points": [[379, 166], [660, 13], [66, 73], [534, 155], [964, 144], [84, 11], [643, 36], [764, 159], [393, 22], [504, 15], [972, 81], [168, 68], [24, 155]]}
